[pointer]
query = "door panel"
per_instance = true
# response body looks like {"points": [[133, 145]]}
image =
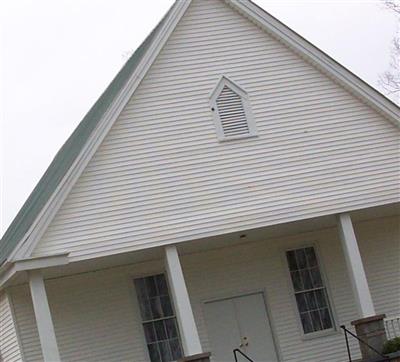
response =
{"points": [[254, 325], [240, 322], [223, 329]]}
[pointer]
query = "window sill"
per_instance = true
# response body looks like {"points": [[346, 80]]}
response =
{"points": [[234, 138], [321, 334]]}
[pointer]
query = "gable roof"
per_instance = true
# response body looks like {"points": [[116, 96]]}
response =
{"points": [[70, 151]]}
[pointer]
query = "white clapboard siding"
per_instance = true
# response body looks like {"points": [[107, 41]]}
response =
{"points": [[97, 319], [161, 175], [25, 319], [9, 345], [95, 315], [381, 256]]}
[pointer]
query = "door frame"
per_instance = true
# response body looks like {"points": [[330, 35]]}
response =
{"points": [[263, 293]]}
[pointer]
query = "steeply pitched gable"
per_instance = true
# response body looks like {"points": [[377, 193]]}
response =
{"points": [[69, 152], [213, 46]]}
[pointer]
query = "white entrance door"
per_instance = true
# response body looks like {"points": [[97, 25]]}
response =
{"points": [[240, 322]]}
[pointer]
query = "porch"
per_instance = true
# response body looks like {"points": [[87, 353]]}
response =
{"points": [[95, 311]]}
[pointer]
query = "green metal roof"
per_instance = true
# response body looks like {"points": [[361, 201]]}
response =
{"points": [[70, 151]]}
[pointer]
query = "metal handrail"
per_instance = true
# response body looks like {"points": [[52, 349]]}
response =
{"points": [[235, 351], [346, 331]]}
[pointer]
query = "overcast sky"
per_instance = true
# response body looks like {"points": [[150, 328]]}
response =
{"points": [[57, 56]]}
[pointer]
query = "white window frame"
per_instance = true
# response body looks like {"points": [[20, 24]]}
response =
{"points": [[222, 82], [138, 311], [324, 332]]}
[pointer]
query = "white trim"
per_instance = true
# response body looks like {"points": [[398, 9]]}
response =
{"points": [[137, 315], [355, 267], [138, 312], [268, 311], [41, 262], [183, 309], [323, 332], [32, 264], [225, 80], [318, 58], [44, 322], [6, 274], [258, 16], [222, 82], [37, 229]]}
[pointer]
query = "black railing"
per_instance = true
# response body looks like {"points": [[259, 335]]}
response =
{"points": [[346, 332], [236, 351]]}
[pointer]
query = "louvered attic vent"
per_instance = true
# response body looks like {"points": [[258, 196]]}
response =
{"points": [[232, 114]]}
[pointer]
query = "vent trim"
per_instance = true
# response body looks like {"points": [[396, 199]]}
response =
{"points": [[231, 111]]}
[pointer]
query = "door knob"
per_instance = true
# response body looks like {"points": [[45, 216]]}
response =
{"points": [[245, 342]]}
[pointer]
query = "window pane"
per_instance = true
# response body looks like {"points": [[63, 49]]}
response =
{"points": [[164, 351], [149, 332], [320, 297], [297, 285], [160, 330], [311, 258], [316, 321], [306, 322], [153, 352], [310, 300], [326, 318], [166, 306], [301, 258], [156, 308], [301, 302], [176, 350], [316, 277], [161, 284], [145, 310], [306, 279], [291, 257], [172, 330], [151, 287]]}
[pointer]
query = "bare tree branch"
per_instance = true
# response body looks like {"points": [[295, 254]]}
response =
{"points": [[393, 5], [390, 80]]}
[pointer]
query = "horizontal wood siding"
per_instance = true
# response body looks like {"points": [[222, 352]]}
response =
{"points": [[9, 345], [26, 323], [161, 176], [97, 319], [380, 251], [262, 266]]}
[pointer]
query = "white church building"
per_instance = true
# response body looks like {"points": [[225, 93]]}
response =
{"points": [[234, 188]]}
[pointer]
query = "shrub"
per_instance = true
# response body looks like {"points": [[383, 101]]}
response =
{"points": [[392, 345]]}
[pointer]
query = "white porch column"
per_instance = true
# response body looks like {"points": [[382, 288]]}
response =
{"points": [[355, 267], [43, 317], [183, 308]]}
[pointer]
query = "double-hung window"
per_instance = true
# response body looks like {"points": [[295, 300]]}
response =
{"points": [[309, 289], [158, 319]]}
